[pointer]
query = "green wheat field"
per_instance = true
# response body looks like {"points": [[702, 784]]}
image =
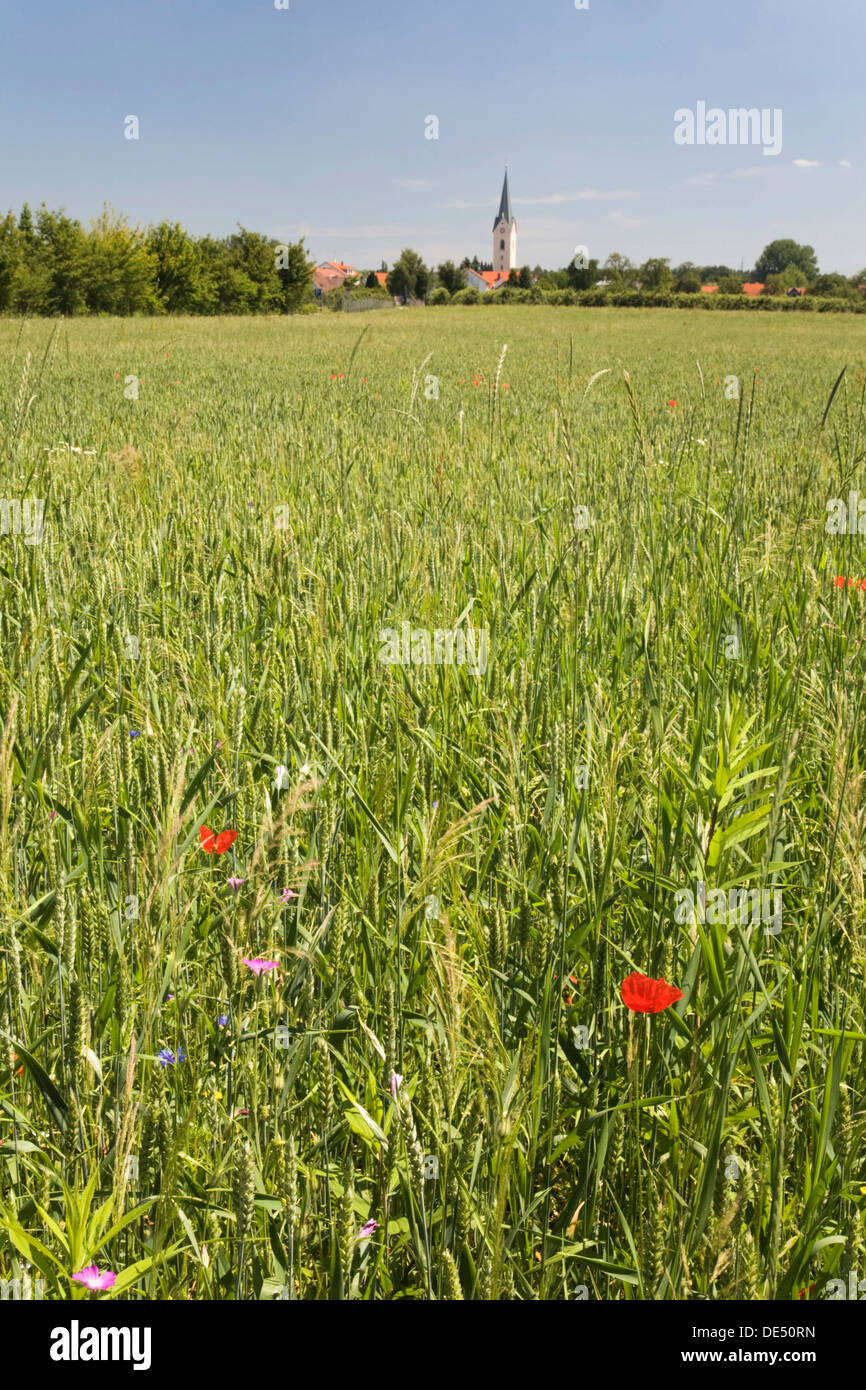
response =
{"points": [[432, 1089]]}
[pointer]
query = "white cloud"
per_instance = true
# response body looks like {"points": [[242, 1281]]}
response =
{"points": [[713, 176], [585, 195], [621, 219], [806, 163], [366, 231], [846, 163]]}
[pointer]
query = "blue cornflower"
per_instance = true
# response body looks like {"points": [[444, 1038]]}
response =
{"points": [[222, 1020], [133, 733], [167, 1058]]}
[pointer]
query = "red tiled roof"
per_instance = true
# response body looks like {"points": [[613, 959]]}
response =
{"points": [[338, 265], [325, 279], [751, 288], [381, 276]]}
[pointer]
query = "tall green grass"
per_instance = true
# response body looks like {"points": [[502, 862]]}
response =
{"points": [[279, 492]]}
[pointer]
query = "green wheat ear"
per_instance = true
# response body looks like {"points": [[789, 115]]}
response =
{"points": [[244, 1192], [346, 1228], [290, 1182], [451, 1288], [410, 1138]]}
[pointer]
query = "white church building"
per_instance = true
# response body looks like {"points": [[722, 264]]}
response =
{"points": [[504, 247], [505, 233]]}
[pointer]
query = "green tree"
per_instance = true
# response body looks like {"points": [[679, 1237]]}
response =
{"points": [[23, 274], [712, 274], [450, 277], [525, 279], [215, 294], [179, 274], [119, 270], [295, 275], [730, 284], [409, 278], [619, 269], [778, 255], [63, 248], [25, 226], [581, 277], [833, 287], [10, 256], [689, 282], [252, 258], [655, 274], [788, 279], [371, 282]]}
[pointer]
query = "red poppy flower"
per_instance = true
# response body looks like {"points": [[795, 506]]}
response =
{"points": [[803, 1294], [671, 402], [645, 996], [224, 840]]}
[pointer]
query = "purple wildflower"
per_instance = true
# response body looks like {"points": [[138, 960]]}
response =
{"points": [[166, 1057], [91, 1276], [259, 966]]}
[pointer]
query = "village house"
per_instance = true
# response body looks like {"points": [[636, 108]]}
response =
{"points": [[329, 275], [485, 280]]}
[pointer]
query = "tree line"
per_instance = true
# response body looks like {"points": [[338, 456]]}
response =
{"points": [[51, 264], [783, 264]]}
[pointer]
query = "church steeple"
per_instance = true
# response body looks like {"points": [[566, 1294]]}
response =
{"points": [[504, 204], [505, 233]]}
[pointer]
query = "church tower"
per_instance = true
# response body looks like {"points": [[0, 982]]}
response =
{"points": [[505, 232]]}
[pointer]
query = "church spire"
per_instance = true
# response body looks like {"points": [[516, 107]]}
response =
{"points": [[504, 203]]}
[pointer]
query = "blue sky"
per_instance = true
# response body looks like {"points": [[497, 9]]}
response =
{"points": [[311, 121]]}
